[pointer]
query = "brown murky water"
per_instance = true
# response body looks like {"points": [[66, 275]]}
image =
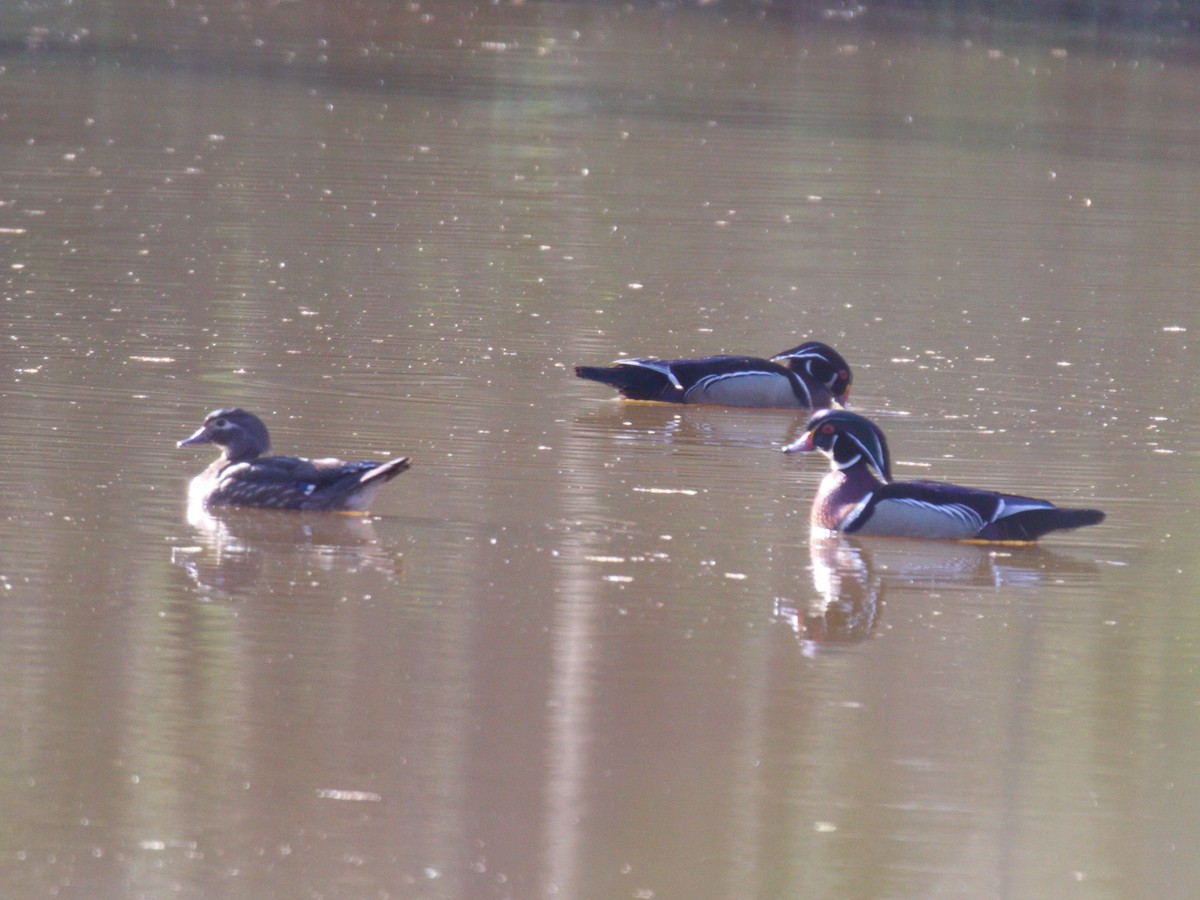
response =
{"points": [[587, 648]]}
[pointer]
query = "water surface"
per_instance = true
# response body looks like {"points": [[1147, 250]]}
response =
{"points": [[587, 648]]}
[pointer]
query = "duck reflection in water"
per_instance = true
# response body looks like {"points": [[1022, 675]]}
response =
{"points": [[852, 575], [672, 427], [847, 603], [239, 546]]}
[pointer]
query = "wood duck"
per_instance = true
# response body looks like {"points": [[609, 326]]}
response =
{"points": [[811, 376], [852, 499], [243, 476]]}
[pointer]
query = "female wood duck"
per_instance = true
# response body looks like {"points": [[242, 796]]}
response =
{"points": [[811, 376], [853, 500], [242, 476]]}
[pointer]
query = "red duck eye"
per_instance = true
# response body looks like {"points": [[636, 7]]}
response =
{"points": [[827, 429]]}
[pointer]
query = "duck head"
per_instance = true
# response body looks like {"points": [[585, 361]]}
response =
{"points": [[822, 364], [241, 434], [848, 439]]}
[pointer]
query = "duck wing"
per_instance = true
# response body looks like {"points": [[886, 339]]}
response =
{"points": [[935, 509], [293, 482]]}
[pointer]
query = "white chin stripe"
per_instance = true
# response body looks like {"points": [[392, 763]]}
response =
{"points": [[849, 464]]}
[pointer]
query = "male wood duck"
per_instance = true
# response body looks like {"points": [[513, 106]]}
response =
{"points": [[243, 476], [811, 376], [853, 500]]}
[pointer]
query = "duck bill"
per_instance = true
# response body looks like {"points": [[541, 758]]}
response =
{"points": [[200, 437], [804, 445]]}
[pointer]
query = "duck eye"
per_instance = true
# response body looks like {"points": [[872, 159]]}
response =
{"points": [[827, 429], [220, 423]]}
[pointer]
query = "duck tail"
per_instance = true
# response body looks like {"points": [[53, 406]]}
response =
{"points": [[388, 470], [1077, 518], [634, 382], [1031, 524]]}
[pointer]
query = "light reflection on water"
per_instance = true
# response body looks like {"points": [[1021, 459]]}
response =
{"points": [[585, 645]]}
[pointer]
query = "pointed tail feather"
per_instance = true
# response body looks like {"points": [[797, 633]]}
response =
{"points": [[1031, 524], [388, 470], [634, 382], [1077, 518]]}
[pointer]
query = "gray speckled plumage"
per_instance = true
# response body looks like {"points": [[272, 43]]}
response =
{"points": [[242, 475]]}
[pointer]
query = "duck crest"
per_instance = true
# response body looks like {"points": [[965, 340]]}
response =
{"points": [[872, 450], [821, 364]]}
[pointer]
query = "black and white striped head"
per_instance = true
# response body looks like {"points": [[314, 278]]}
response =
{"points": [[822, 364], [240, 434], [847, 439]]}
